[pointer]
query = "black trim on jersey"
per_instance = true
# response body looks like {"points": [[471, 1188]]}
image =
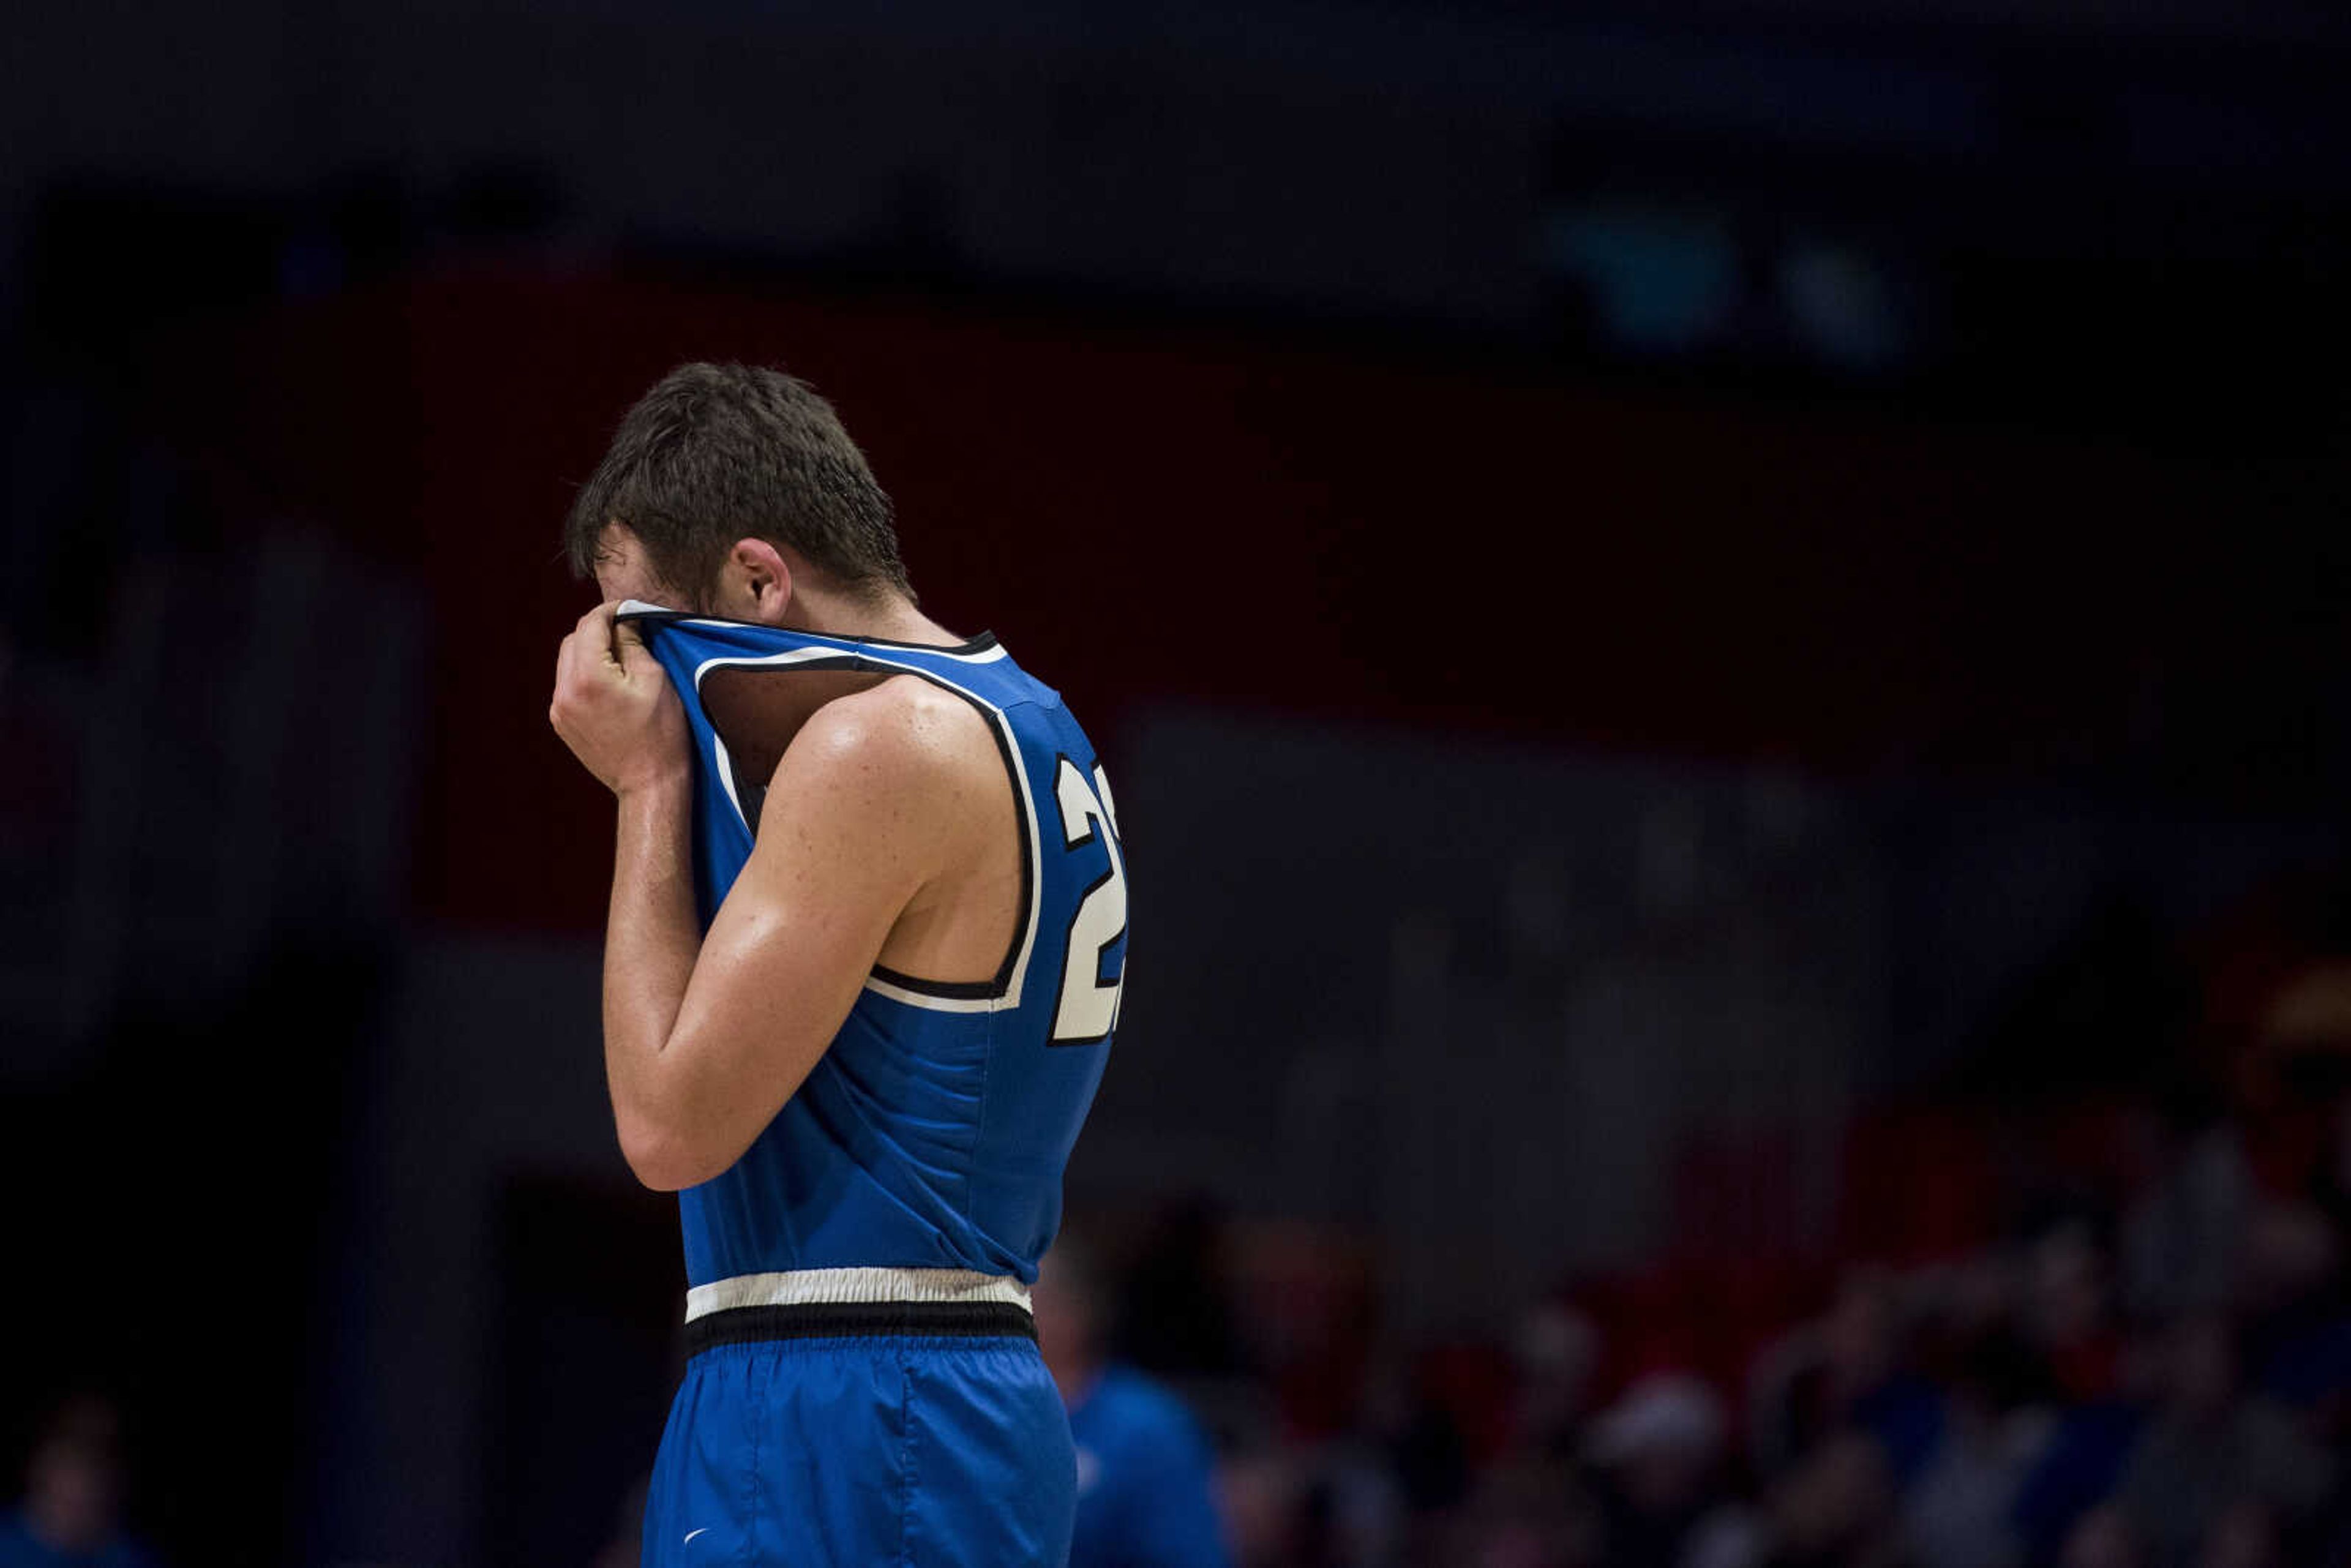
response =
{"points": [[993, 719], [979, 643], [841, 1320], [1097, 826], [949, 990]]}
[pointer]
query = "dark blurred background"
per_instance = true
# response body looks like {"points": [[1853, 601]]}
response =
{"points": [[1718, 622]]}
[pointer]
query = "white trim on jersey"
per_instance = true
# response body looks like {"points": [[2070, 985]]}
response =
{"points": [[987, 655], [809, 1286], [1010, 998], [938, 1004]]}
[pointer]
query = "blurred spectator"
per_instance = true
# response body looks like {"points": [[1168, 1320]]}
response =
{"points": [[2101, 1538], [2069, 1302], [1846, 1369], [1660, 1450], [2244, 1536], [1836, 1510], [71, 1515], [2293, 1295], [2076, 1471], [1145, 1497], [1529, 1512], [1429, 1452], [1262, 1493], [2181, 1238], [2211, 1450], [1552, 1355], [1959, 1512], [1361, 1492], [2296, 1314]]}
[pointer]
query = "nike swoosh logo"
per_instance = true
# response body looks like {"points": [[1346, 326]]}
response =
{"points": [[691, 1533]]}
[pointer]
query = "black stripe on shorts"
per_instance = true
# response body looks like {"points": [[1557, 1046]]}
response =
{"points": [[831, 1320]]}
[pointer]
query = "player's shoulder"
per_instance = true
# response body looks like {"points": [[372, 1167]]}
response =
{"points": [[904, 728]]}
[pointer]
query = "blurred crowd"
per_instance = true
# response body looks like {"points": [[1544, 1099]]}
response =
{"points": [[2147, 1365], [2057, 1321], [2148, 1371]]}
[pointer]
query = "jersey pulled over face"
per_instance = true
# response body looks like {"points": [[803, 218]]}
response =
{"points": [[933, 1131]]}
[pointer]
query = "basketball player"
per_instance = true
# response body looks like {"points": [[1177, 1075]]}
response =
{"points": [[867, 933]]}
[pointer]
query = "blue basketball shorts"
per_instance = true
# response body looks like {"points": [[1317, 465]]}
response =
{"points": [[856, 1449]]}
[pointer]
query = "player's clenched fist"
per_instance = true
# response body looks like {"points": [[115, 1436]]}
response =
{"points": [[614, 706]]}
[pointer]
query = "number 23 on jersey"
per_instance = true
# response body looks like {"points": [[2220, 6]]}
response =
{"points": [[1089, 1004]]}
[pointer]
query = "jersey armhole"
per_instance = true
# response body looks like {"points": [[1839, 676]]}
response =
{"points": [[1002, 989], [747, 791]]}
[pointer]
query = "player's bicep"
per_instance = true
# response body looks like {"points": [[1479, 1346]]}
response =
{"points": [[846, 838]]}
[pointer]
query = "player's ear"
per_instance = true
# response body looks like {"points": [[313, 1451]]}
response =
{"points": [[762, 580]]}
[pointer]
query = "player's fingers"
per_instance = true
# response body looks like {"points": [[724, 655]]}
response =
{"points": [[565, 662], [628, 644], [636, 655], [586, 642], [603, 624], [566, 697]]}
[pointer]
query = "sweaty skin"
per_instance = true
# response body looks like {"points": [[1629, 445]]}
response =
{"points": [[888, 836]]}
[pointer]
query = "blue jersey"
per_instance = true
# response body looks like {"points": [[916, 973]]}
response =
{"points": [[933, 1130]]}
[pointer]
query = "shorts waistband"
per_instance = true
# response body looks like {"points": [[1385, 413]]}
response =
{"points": [[809, 1303]]}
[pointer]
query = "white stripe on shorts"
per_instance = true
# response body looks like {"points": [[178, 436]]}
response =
{"points": [[804, 1287]]}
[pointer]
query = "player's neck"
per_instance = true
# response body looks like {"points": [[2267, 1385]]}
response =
{"points": [[891, 618]]}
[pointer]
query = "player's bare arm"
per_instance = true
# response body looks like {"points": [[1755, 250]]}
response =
{"points": [[879, 833]]}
